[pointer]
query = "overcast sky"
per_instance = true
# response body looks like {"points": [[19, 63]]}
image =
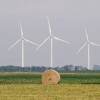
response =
{"points": [[67, 19]]}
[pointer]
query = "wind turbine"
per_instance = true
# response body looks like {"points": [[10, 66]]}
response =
{"points": [[22, 39], [51, 37], [88, 43]]}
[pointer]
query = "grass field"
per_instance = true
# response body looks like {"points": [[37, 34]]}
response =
{"points": [[27, 86], [49, 92]]}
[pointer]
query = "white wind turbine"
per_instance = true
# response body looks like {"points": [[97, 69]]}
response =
{"points": [[88, 43], [22, 39], [51, 37]]}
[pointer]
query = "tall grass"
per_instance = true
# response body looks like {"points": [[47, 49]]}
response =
{"points": [[49, 92]]}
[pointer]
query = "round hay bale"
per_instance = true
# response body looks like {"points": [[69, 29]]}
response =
{"points": [[50, 77]]}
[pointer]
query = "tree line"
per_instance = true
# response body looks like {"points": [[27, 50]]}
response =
{"points": [[11, 68]]}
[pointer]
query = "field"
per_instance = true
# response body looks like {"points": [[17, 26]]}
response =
{"points": [[27, 86]]}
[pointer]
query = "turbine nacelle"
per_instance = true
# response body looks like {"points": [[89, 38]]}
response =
{"points": [[23, 39], [89, 42], [51, 36]]}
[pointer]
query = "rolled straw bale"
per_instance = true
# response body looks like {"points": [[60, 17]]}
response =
{"points": [[50, 77]]}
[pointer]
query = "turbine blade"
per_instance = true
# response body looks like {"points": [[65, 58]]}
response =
{"points": [[60, 40], [94, 44], [31, 42], [87, 37], [42, 43], [14, 44], [21, 29], [81, 48], [49, 25]]}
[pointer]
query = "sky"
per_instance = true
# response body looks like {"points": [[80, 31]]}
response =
{"points": [[67, 18]]}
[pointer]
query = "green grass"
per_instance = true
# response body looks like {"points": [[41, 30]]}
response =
{"points": [[66, 78], [35, 78], [20, 79], [81, 79]]}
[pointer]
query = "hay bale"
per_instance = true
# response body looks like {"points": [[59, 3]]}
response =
{"points": [[50, 77]]}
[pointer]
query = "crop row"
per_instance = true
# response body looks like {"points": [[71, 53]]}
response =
{"points": [[36, 79]]}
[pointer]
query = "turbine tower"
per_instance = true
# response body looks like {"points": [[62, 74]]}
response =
{"points": [[22, 39], [88, 43], [51, 37]]}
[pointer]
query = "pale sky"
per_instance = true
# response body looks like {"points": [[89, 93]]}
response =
{"points": [[67, 19]]}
